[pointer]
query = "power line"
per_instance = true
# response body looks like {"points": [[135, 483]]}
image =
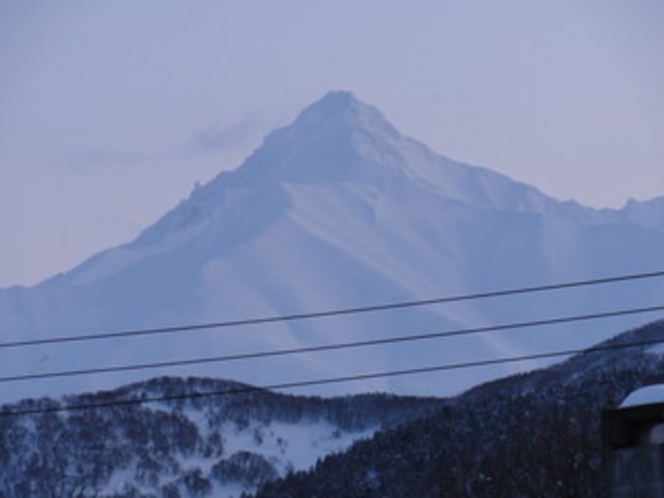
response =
{"points": [[328, 347], [328, 313], [246, 389]]}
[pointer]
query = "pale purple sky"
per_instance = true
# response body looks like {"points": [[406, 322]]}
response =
{"points": [[111, 111]]}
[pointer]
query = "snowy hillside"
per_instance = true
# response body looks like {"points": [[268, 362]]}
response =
{"points": [[337, 210], [536, 434], [189, 444]]}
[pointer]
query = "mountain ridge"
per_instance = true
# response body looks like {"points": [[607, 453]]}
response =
{"points": [[350, 118]]}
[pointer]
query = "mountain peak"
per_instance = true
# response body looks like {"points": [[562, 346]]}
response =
{"points": [[322, 144], [339, 140], [343, 109], [334, 102]]}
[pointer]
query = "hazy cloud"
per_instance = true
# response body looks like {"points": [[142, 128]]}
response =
{"points": [[218, 137]]}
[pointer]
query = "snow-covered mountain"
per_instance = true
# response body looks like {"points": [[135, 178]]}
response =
{"points": [[337, 210]]}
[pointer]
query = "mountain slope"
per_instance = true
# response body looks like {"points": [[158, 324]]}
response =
{"points": [[536, 434], [336, 210]]}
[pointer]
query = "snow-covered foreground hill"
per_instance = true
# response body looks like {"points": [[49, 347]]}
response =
{"points": [[188, 444], [337, 210]]}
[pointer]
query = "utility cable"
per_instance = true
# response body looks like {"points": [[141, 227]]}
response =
{"points": [[246, 389], [327, 347], [328, 313]]}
